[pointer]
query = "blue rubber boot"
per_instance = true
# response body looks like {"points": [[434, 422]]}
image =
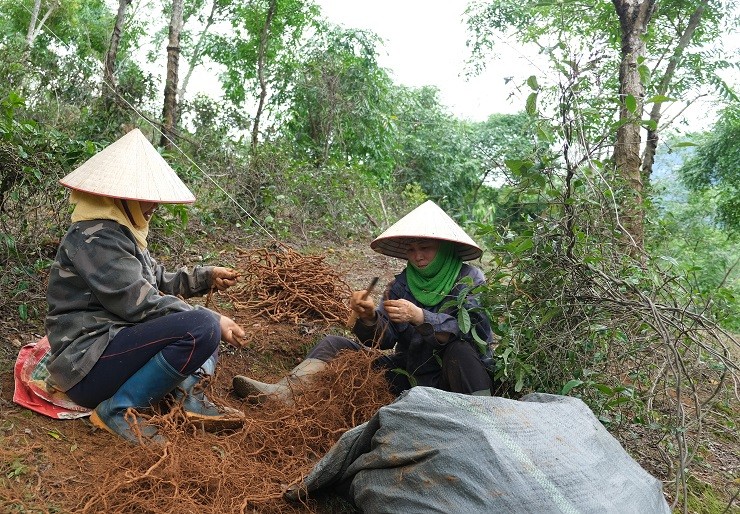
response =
{"points": [[199, 409], [145, 388]]}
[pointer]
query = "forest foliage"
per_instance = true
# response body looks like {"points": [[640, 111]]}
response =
{"points": [[304, 137]]}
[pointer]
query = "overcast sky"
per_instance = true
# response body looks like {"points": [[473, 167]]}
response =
{"points": [[425, 45]]}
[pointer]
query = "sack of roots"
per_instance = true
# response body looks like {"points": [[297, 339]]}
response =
{"points": [[434, 451]]}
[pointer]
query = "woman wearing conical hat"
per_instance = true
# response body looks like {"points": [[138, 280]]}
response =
{"points": [[120, 336], [416, 320]]}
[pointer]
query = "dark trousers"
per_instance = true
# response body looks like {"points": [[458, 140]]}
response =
{"points": [[461, 370], [186, 340]]}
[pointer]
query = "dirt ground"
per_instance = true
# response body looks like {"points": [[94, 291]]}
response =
{"points": [[69, 466]]}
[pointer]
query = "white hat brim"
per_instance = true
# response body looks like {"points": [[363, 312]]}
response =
{"points": [[132, 169], [427, 221]]}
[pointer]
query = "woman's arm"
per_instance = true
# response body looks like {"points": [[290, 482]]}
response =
{"points": [[373, 326], [183, 282], [197, 282]]}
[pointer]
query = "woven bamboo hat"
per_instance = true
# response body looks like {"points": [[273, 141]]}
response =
{"points": [[131, 169], [427, 221]]}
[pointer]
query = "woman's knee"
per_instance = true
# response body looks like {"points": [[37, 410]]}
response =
{"points": [[459, 348], [200, 337], [460, 356], [330, 346], [206, 326]]}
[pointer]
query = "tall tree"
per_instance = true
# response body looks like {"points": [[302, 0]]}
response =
{"points": [[260, 52], [109, 82], [340, 106], [169, 111], [197, 53], [435, 150], [685, 35], [654, 53], [35, 24], [264, 40], [52, 34], [634, 18]]}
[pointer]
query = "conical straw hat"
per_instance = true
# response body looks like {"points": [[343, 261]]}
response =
{"points": [[427, 221], [131, 169]]}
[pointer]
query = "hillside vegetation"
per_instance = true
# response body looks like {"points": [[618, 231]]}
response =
{"points": [[609, 233]]}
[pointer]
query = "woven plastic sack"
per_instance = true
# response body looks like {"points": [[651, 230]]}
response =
{"points": [[434, 451]]}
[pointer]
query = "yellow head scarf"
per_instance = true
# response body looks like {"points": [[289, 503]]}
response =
{"points": [[95, 207]]}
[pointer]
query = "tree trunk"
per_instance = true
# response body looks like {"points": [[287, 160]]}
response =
{"points": [[109, 81], [264, 37], [169, 111], [634, 17], [197, 52], [648, 157], [34, 25]]}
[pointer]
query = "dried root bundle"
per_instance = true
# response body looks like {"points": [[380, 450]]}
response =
{"points": [[283, 285]]}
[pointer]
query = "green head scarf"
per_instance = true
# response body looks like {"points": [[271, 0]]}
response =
{"points": [[431, 284]]}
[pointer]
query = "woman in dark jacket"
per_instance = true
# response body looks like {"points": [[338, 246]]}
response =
{"points": [[418, 319], [121, 337]]}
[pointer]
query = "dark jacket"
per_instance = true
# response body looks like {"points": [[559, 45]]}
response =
{"points": [[101, 282], [416, 346]]}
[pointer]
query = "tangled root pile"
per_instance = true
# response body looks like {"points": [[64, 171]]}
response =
{"points": [[246, 470], [283, 285]]}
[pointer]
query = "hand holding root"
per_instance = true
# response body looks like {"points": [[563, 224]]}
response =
{"points": [[232, 332], [223, 278], [363, 305], [403, 311]]}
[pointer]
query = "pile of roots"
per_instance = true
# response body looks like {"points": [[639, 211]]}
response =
{"points": [[246, 470], [282, 285]]}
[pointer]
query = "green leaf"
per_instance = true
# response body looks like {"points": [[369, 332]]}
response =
{"points": [[570, 385], [519, 381], [482, 345], [525, 245], [532, 83], [515, 165], [545, 134], [617, 402], [669, 259], [604, 389], [644, 72], [630, 103], [505, 358], [658, 99], [463, 320], [551, 313], [531, 105], [650, 124], [411, 378]]}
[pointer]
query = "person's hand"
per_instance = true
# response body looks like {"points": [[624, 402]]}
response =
{"points": [[223, 278], [231, 332], [363, 307], [403, 311]]}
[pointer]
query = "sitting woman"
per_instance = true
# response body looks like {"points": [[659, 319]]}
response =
{"points": [[416, 320], [120, 336]]}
